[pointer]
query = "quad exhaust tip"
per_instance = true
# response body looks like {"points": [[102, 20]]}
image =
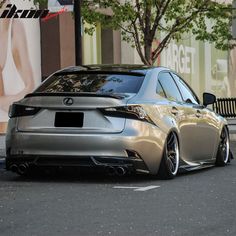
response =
{"points": [[120, 171], [14, 168], [111, 170], [20, 169]]}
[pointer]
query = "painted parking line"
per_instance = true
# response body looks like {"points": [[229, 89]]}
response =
{"points": [[125, 187], [141, 189], [146, 188]]}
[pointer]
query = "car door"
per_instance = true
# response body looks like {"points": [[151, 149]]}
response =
{"points": [[183, 115], [201, 132]]}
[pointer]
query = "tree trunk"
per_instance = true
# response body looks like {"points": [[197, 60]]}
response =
{"points": [[148, 53]]}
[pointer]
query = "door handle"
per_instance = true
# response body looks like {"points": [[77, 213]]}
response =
{"points": [[174, 111], [198, 114]]}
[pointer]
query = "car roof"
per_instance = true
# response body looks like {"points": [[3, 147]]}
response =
{"points": [[143, 69]]}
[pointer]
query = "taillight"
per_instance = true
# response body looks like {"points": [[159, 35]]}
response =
{"points": [[130, 112], [17, 110]]}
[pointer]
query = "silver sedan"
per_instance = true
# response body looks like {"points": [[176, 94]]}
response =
{"points": [[117, 118]]}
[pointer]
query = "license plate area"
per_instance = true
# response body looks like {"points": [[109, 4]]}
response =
{"points": [[69, 119]]}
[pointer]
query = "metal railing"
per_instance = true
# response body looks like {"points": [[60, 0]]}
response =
{"points": [[226, 107]]}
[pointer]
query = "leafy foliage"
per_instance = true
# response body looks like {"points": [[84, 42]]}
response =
{"points": [[141, 21], [42, 3]]}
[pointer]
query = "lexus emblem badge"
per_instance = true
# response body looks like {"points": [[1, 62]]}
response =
{"points": [[68, 101]]}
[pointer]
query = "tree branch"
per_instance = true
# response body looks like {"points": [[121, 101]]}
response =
{"points": [[159, 17], [141, 22], [177, 26]]}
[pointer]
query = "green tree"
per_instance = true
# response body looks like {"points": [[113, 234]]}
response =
{"points": [[143, 21]]}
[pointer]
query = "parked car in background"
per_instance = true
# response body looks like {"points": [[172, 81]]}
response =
{"points": [[119, 118]]}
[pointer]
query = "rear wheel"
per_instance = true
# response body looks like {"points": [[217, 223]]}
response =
{"points": [[170, 161], [223, 150]]}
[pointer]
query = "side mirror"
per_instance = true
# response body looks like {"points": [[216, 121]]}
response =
{"points": [[208, 99]]}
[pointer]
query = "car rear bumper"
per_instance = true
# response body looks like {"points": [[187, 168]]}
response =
{"points": [[109, 164], [139, 149]]}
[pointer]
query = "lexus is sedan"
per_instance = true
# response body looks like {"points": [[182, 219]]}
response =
{"points": [[120, 119]]}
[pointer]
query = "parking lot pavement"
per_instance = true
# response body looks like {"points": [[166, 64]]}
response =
{"points": [[196, 203], [233, 148]]}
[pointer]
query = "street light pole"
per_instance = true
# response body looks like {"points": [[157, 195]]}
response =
{"points": [[78, 30]]}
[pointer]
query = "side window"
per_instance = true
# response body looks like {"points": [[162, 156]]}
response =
{"points": [[170, 89], [187, 94], [160, 90]]}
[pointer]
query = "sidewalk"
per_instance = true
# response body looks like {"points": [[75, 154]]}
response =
{"points": [[2, 150], [2, 145]]}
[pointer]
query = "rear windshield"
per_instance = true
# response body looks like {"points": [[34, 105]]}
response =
{"points": [[92, 83]]}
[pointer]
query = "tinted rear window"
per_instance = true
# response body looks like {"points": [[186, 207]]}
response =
{"points": [[94, 83]]}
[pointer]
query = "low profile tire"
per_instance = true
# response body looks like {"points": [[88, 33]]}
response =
{"points": [[170, 161], [223, 154]]}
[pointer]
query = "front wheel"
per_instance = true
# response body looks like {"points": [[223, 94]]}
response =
{"points": [[170, 161], [222, 156]]}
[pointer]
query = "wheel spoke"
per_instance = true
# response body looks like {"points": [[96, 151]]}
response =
{"points": [[170, 140], [172, 158], [171, 165], [172, 153]]}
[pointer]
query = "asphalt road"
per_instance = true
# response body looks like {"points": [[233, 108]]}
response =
{"points": [[197, 203]]}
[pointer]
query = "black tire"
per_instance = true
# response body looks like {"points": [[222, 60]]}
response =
{"points": [[223, 153], [170, 159]]}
